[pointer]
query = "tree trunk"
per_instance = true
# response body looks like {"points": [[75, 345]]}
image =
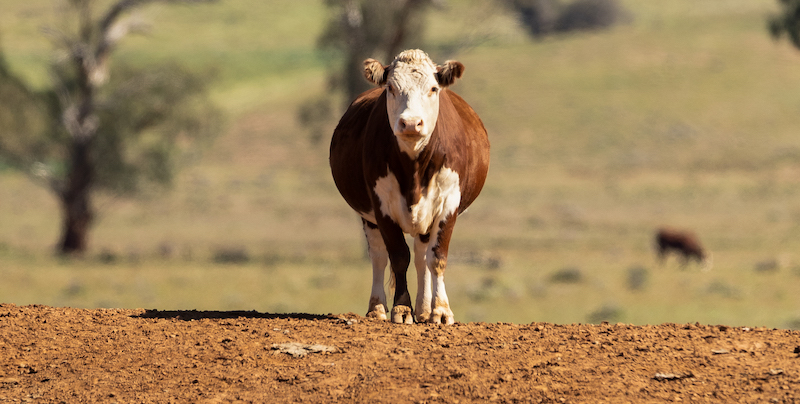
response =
{"points": [[75, 201], [356, 49], [401, 18], [81, 123]]}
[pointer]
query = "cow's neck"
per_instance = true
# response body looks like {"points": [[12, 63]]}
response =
{"points": [[412, 148]]}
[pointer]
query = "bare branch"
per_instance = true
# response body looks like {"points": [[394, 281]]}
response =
{"points": [[111, 32], [58, 37], [98, 75], [116, 10], [124, 5]]}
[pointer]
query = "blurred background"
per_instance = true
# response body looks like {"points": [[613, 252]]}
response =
{"points": [[196, 177]]}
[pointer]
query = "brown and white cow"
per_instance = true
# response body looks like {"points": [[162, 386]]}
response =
{"points": [[409, 157]]}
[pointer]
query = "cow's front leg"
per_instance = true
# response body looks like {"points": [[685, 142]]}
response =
{"points": [[424, 288], [437, 263], [399, 258], [379, 257]]}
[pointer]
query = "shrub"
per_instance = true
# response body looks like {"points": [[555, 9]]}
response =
{"points": [[767, 266], [537, 16], [638, 278], [610, 313], [544, 17], [723, 289], [231, 255], [585, 15], [567, 275]]}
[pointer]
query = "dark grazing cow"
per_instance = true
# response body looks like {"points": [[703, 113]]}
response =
{"points": [[683, 243], [409, 157]]}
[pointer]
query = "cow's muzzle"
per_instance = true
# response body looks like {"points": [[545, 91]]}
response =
{"points": [[410, 126]]}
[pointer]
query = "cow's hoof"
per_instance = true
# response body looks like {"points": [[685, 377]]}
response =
{"points": [[402, 315], [442, 315], [378, 312], [423, 317]]}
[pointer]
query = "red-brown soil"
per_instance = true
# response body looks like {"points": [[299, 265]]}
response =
{"points": [[74, 355]]}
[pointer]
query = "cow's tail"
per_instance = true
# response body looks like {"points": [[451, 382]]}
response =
{"points": [[392, 282], [708, 262]]}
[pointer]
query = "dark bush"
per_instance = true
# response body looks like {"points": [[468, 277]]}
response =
{"points": [[638, 278], [723, 289], [567, 275], [767, 266], [793, 324], [584, 15], [538, 16], [107, 256], [231, 255], [545, 17], [610, 313]]}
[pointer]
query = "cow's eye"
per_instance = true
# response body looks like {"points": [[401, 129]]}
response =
{"points": [[434, 90], [390, 88]]}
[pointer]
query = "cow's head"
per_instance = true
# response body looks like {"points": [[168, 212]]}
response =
{"points": [[413, 83]]}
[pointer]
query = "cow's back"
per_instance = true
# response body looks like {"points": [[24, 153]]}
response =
{"points": [[346, 152]]}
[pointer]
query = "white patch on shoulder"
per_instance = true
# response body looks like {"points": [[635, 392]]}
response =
{"points": [[438, 200], [393, 203]]}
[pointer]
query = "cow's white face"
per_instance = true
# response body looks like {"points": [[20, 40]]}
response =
{"points": [[412, 102], [413, 84]]}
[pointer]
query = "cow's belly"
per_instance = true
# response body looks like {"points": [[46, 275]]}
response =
{"points": [[438, 200]]}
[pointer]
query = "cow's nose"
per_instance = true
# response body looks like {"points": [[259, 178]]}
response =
{"points": [[411, 125]]}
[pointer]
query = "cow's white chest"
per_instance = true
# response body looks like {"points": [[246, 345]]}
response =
{"points": [[439, 199]]}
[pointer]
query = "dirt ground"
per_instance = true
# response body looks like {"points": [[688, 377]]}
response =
{"points": [[147, 356]]}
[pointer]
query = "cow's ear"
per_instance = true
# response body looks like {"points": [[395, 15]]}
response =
{"points": [[449, 72], [375, 72]]}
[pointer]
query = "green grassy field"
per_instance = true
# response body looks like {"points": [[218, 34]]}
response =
{"points": [[686, 116]]}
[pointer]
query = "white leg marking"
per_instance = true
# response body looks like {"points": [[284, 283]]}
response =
{"points": [[379, 257], [441, 305], [424, 287]]}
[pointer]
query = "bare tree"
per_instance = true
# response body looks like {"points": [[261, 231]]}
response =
{"points": [[357, 30], [363, 29], [67, 156]]}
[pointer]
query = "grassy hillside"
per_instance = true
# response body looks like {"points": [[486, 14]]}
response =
{"points": [[686, 116]]}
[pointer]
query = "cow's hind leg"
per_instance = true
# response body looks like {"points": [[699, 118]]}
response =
{"points": [[379, 257], [684, 260]]}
